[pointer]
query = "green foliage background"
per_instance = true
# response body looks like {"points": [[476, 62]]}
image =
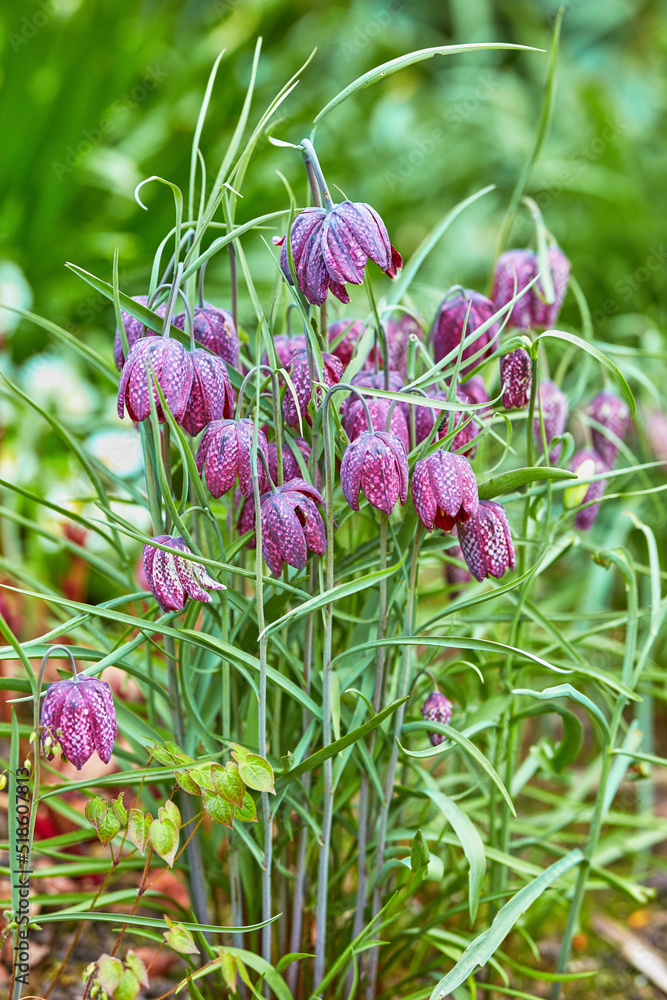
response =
{"points": [[414, 146]]}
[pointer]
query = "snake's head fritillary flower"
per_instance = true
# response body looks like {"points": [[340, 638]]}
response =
{"points": [[515, 379], [514, 270], [373, 380], [171, 578], [291, 525], [612, 413], [286, 346], [214, 329], [133, 329], [375, 463], [585, 517], [444, 490], [448, 327], [78, 716], [331, 247], [211, 396], [332, 370], [473, 390], [437, 708], [225, 454], [349, 332], [355, 422], [554, 406], [291, 467], [400, 327], [174, 372], [486, 541], [425, 417]]}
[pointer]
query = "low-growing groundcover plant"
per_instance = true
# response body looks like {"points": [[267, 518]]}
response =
{"points": [[366, 726]]}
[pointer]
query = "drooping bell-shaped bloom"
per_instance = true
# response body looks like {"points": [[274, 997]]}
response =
{"points": [[375, 463], [133, 329], [78, 716], [585, 517], [225, 455], [437, 708], [174, 372], [332, 370], [355, 422], [332, 246], [349, 330], [473, 390], [554, 406], [291, 525], [171, 578], [291, 467], [515, 379], [425, 417], [612, 413], [516, 269], [456, 575], [214, 329], [373, 380], [211, 396], [447, 332], [486, 541], [400, 326], [286, 346], [444, 490]]}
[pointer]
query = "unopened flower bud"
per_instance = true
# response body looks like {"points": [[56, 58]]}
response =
{"points": [[437, 708]]}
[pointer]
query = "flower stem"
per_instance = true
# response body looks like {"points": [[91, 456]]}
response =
{"points": [[313, 168]]}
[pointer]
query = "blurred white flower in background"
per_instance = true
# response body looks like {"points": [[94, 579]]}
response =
{"points": [[119, 450], [53, 381], [14, 291]]}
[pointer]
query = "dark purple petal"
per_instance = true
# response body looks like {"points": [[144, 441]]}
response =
{"points": [[486, 541], [437, 708], [612, 413], [214, 329], [211, 396], [351, 468], [585, 517], [173, 370], [377, 463], [300, 376], [448, 327], [554, 406], [225, 452], [173, 579], [134, 329], [353, 329], [514, 271], [515, 379], [444, 490]]}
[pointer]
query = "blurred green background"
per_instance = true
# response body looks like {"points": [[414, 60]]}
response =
{"points": [[97, 95]]}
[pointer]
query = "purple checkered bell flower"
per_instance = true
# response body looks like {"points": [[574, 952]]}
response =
{"points": [[332, 370], [211, 396], [214, 329], [425, 417], [515, 379], [447, 332], [486, 541], [516, 269], [134, 329], [612, 413], [172, 579], [291, 467], [355, 422], [350, 330], [78, 719], [376, 463], [331, 246], [585, 517], [225, 454], [174, 371], [286, 346], [553, 403], [444, 490], [291, 525], [437, 708], [399, 329]]}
